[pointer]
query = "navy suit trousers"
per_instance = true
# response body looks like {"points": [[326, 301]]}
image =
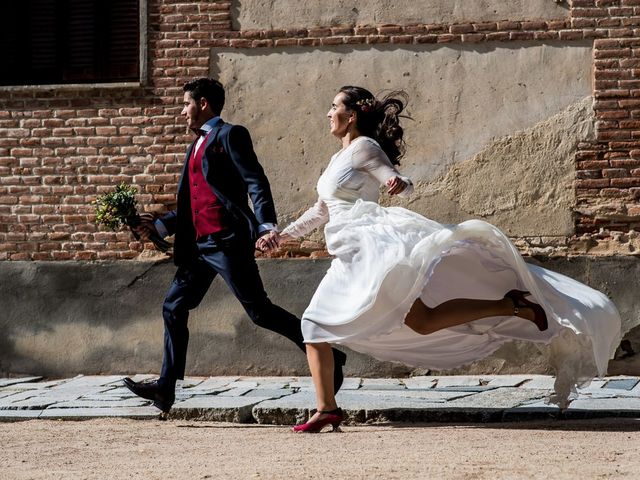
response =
{"points": [[230, 255]]}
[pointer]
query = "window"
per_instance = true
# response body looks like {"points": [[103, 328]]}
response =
{"points": [[69, 41]]}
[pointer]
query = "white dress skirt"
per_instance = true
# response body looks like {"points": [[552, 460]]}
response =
{"points": [[386, 258]]}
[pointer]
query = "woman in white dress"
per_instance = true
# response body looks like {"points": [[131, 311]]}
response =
{"points": [[404, 288]]}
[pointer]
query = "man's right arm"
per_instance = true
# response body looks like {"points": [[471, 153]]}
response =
{"points": [[160, 226]]}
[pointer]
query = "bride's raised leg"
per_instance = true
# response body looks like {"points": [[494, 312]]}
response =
{"points": [[425, 320]]}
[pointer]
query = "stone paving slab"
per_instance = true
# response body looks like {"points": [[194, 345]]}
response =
{"points": [[446, 382], [382, 384], [217, 409], [87, 413], [116, 392], [16, 397], [7, 393], [506, 397], [13, 415], [5, 382], [212, 385], [420, 382], [274, 394], [435, 395], [622, 384], [305, 383], [22, 387], [539, 382], [290, 400], [102, 403]]}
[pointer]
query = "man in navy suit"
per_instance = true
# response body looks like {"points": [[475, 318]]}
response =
{"points": [[215, 234]]}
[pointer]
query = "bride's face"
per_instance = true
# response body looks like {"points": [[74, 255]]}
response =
{"points": [[340, 117]]}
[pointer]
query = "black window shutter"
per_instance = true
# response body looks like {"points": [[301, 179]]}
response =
{"points": [[69, 41]]}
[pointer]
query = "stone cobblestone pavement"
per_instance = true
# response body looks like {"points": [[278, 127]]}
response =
{"points": [[289, 400]]}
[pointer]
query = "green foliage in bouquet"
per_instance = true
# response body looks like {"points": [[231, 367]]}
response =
{"points": [[117, 208]]}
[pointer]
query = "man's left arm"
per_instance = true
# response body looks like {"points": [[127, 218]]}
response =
{"points": [[240, 149]]}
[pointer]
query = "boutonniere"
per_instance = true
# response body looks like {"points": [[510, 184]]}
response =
{"points": [[218, 148]]}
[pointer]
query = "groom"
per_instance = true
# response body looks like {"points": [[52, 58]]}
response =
{"points": [[215, 234]]}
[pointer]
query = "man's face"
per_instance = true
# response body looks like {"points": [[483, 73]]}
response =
{"points": [[194, 111]]}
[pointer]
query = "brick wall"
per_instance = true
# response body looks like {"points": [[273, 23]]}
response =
{"points": [[60, 147]]}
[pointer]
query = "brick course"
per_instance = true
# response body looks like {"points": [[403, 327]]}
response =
{"points": [[60, 147]]}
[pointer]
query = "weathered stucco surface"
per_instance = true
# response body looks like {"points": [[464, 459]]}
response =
{"points": [[268, 14], [523, 182], [463, 100], [65, 318]]}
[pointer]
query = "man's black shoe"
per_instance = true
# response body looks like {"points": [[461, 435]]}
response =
{"points": [[339, 359], [162, 398]]}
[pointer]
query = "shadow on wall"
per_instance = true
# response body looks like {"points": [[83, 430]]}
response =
{"points": [[65, 318]]}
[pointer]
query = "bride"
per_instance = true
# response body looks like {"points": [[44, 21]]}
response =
{"points": [[405, 288]]}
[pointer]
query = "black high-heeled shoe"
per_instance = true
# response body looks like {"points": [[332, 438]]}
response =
{"points": [[333, 417], [517, 297]]}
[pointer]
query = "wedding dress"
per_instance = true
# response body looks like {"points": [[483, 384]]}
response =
{"points": [[385, 258]]}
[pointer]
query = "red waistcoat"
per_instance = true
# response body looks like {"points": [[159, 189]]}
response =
{"points": [[207, 211]]}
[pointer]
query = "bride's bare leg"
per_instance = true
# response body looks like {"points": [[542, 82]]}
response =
{"points": [[320, 358], [425, 320]]}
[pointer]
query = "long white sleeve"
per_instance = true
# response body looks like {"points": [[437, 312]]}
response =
{"points": [[310, 220], [370, 158]]}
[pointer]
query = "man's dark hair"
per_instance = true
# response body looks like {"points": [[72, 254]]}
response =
{"points": [[208, 88]]}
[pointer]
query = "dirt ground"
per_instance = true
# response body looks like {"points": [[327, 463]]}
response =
{"points": [[115, 449]]}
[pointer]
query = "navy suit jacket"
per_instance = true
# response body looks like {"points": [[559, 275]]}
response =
{"points": [[234, 174]]}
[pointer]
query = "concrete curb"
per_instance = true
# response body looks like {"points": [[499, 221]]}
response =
{"points": [[290, 400]]}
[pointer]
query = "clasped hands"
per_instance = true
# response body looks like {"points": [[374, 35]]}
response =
{"points": [[270, 241]]}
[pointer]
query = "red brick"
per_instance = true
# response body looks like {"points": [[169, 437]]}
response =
{"points": [[522, 36], [497, 36], [446, 38], [585, 174], [372, 39], [366, 30], [286, 42], [588, 12], [459, 29], [583, 22], [615, 173], [619, 93], [389, 29], [402, 39], [614, 135], [319, 32], [546, 35], [426, 38], [595, 183], [615, 53], [632, 124], [332, 41], [508, 25], [625, 182], [415, 29]]}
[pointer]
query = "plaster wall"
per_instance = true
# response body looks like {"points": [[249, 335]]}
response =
{"points": [[466, 102], [66, 318], [268, 14]]}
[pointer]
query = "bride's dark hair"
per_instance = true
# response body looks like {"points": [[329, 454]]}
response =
{"points": [[379, 119]]}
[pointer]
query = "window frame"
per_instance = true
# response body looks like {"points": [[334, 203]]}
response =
{"points": [[142, 63]]}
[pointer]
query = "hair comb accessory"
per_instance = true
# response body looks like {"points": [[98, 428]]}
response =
{"points": [[366, 104]]}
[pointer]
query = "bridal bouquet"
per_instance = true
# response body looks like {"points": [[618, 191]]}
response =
{"points": [[118, 208]]}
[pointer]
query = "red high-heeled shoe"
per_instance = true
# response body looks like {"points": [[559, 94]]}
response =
{"points": [[332, 417], [517, 297]]}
